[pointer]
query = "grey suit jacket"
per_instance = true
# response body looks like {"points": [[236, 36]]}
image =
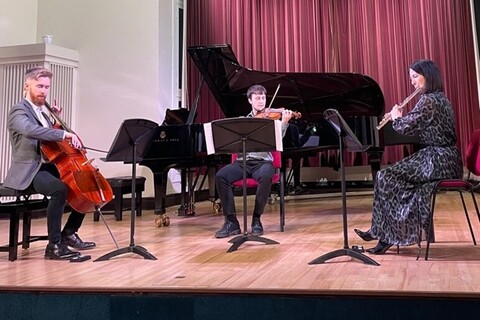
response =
{"points": [[26, 133]]}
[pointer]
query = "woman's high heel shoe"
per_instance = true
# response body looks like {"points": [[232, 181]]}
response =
{"points": [[366, 236], [380, 248]]}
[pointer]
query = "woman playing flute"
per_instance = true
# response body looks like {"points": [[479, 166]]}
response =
{"points": [[402, 193]]}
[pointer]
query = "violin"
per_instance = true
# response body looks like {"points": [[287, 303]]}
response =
{"points": [[275, 114]]}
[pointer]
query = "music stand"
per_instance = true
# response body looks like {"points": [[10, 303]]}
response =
{"points": [[347, 142], [131, 142], [234, 135]]}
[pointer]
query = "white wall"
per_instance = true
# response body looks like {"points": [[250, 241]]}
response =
{"points": [[125, 69], [18, 22]]}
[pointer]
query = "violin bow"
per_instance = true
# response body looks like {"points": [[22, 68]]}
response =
{"points": [[274, 95]]}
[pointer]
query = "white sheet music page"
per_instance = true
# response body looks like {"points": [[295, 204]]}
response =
{"points": [[207, 129], [278, 135]]}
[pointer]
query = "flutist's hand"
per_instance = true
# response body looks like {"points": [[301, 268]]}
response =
{"points": [[396, 112]]}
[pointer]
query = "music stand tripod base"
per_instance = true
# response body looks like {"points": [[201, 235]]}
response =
{"points": [[344, 252], [133, 249], [239, 240]]}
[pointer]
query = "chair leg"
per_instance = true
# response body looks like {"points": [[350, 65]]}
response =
{"points": [[472, 192], [118, 203], [27, 227], [430, 234], [282, 204], [468, 218], [96, 216], [13, 236]]}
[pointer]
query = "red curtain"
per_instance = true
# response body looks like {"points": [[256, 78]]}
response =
{"points": [[377, 38]]}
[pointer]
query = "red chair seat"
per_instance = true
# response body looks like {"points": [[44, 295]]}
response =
{"points": [[252, 183], [454, 184]]}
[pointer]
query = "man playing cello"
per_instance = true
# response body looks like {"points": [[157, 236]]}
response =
{"points": [[29, 125]]}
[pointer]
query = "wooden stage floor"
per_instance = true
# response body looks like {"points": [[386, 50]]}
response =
{"points": [[191, 260]]}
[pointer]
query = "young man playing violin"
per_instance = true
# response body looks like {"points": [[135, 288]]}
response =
{"points": [[258, 166], [29, 125]]}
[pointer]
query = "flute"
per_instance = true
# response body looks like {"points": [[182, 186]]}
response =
{"points": [[388, 116]]}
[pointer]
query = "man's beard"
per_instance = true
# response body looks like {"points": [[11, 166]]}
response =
{"points": [[38, 100]]}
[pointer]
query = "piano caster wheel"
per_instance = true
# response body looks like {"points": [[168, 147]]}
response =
{"points": [[166, 222], [216, 206], [162, 221]]}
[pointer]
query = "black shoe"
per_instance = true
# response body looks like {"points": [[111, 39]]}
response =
{"points": [[59, 251], [298, 191], [74, 241], [366, 236], [380, 248], [228, 229], [257, 228]]}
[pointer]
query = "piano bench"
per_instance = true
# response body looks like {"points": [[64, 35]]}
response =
{"points": [[120, 186], [14, 209]]}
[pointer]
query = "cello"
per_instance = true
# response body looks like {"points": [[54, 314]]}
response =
{"points": [[88, 190]]}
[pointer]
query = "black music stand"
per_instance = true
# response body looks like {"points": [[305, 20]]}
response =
{"points": [[235, 135], [130, 144], [347, 142]]}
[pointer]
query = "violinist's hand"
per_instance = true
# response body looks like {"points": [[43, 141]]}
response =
{"points": [[396, 112], [286, 115], [74, 140]]}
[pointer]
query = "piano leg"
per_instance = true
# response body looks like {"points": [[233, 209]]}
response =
{"points": [[160, 188], [186, 202], [212, 194]]}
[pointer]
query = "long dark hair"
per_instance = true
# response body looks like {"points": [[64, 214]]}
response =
{"points": [[433, 77]]}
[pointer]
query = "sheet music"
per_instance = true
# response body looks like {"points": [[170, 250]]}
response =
{"points": [[207, 129], [278, 135], [210, 143]]}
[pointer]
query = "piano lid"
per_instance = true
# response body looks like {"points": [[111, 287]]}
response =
{"points": [[311, 94]]}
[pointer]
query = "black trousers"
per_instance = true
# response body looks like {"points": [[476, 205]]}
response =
{"points": [[262, 171], [47, 182]]}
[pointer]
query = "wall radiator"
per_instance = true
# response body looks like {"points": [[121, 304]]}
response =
{"points": [[12, 77]]}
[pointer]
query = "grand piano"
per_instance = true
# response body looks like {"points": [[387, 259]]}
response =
{"points": [[357, 97]]}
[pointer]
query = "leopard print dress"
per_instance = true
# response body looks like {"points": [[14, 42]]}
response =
{"points": [[403, 191]]}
